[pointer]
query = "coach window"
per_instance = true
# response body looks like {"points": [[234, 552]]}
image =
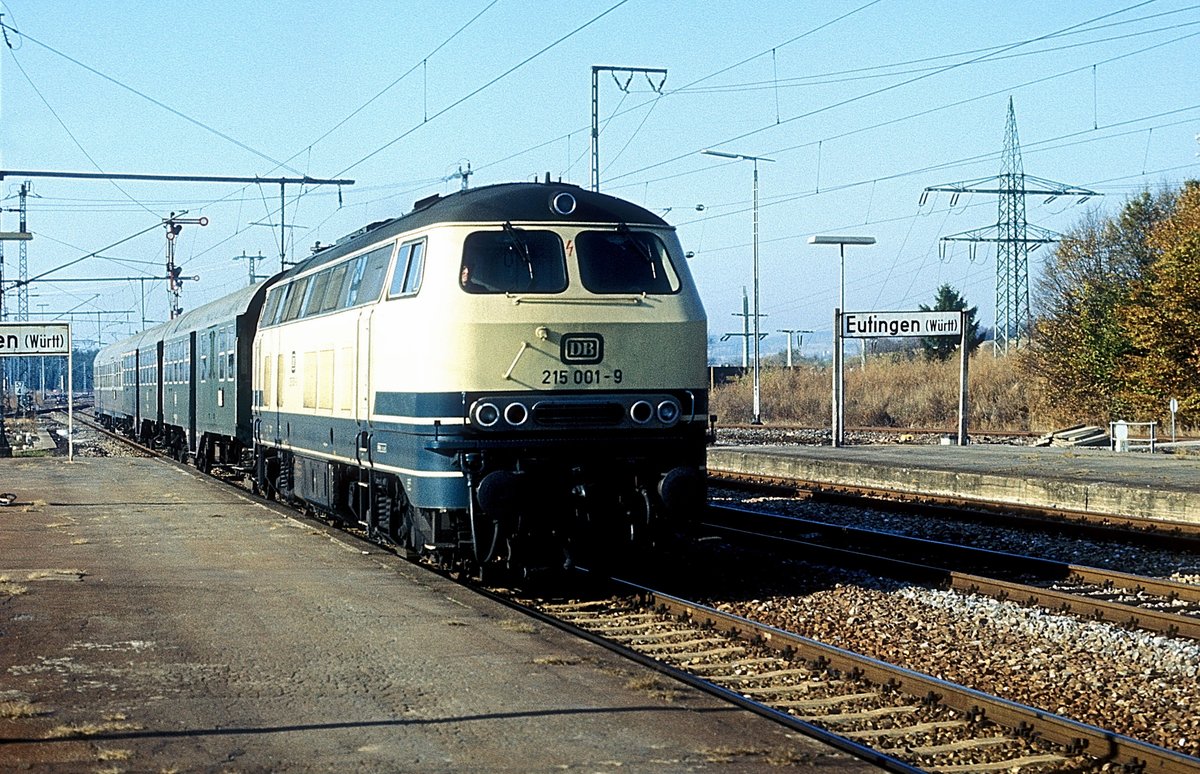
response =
{"points": [[295, 300], [271, 307], [410, 262], [308, 306], [334, 287], [277, 315], [316, 293], [625, 261], [513, 261], [369, 283]]}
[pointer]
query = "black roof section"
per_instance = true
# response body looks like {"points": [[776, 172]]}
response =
{"points": [[518, 202]]}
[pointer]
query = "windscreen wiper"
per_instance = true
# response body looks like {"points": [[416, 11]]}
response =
{"points": [[521, 246], [641, 248]]}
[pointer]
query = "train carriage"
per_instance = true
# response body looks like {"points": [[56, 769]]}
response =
{"points": [[127, 397], [209, 392], [184, 386]]}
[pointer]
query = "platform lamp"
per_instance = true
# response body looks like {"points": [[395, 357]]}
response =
{"points": [[839, 405], [756, 418]]}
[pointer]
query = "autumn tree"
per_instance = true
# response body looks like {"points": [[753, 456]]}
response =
{"points": [[1162, 319], [942, 347], [1080, 345]]}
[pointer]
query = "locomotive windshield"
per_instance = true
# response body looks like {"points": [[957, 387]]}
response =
{"points": [[513, 261], [625, 261]]}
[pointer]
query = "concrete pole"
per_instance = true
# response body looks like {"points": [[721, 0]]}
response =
{"points": [[963, 440]]}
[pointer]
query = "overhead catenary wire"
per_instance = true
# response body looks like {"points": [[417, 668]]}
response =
{"points": [[152, 100], [487, 85], [881, 124], [876, 92]]}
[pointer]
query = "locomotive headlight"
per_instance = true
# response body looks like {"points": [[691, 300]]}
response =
{"points": [[641, 412], [486, 414], [668, 412], [515, 414]]}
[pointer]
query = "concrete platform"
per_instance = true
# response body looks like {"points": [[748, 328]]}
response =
{"points": [[154, 620], [1160, 487]]}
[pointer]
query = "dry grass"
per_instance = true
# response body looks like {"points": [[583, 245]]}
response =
{"points": [[80, 542], [90, 729], [556, 661], [67, 574], [888, 392], [105, 754], [524, 627], [10, 589], [656, 686], [11, 710]]}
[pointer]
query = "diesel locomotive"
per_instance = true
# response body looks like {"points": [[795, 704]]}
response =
{"points": [[509, 376]]}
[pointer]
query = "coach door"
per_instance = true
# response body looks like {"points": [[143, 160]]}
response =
{"points": [[362, 371], [158, 383], [193, 405], [137, 390]]}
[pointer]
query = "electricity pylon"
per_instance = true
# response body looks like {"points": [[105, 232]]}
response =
{"points": [[1012, 233]]}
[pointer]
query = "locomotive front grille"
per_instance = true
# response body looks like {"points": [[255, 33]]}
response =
{"points": [[563, 414]]}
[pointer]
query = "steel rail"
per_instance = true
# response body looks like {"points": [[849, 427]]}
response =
{"points": [[1149, 530], [1075, 736], [1151, 619], [857, 749]]}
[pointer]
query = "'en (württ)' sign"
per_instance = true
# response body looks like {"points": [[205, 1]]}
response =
{"points": [[871, 325], [24, 339]]}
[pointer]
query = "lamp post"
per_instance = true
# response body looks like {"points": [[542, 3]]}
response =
{"points": [[756, 413], [839, 405]]}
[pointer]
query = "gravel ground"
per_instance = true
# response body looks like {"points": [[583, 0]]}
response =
{"points": [[1129, 681], [1063, 546], [1132, 682], [89, 442]]}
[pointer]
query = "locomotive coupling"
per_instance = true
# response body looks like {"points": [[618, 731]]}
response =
{"points": [[502, 493], [682, 491]]}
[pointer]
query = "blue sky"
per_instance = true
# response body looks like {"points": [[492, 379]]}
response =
{"points": [[861, 104]]}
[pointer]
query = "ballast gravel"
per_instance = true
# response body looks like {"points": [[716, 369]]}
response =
{"points": [[1132, 682]]}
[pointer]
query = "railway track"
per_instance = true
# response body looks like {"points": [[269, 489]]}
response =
{"points": [[1142, 531], [900, 719], [1161, 606]]}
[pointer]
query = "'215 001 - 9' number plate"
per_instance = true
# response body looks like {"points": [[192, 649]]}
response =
{"points": [[580, 376]]}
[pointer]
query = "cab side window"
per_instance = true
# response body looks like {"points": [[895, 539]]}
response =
{"points": [[410, 264]]}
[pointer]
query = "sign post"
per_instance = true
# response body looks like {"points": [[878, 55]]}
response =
{"points": [[40, 339], [839, 407], [962, 381], [871, 325]]}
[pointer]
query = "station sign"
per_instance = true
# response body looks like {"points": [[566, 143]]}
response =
{"points": [[26, 339], [873, 325]]}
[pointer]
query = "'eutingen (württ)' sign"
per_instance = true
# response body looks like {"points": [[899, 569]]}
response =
{"points": [[23, 339], [870, 325]]}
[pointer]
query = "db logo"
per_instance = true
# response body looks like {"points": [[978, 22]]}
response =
{"points": [[582, 348]]}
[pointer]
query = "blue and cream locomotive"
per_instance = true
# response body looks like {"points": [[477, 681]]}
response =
{"points": [[509, 375]]}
